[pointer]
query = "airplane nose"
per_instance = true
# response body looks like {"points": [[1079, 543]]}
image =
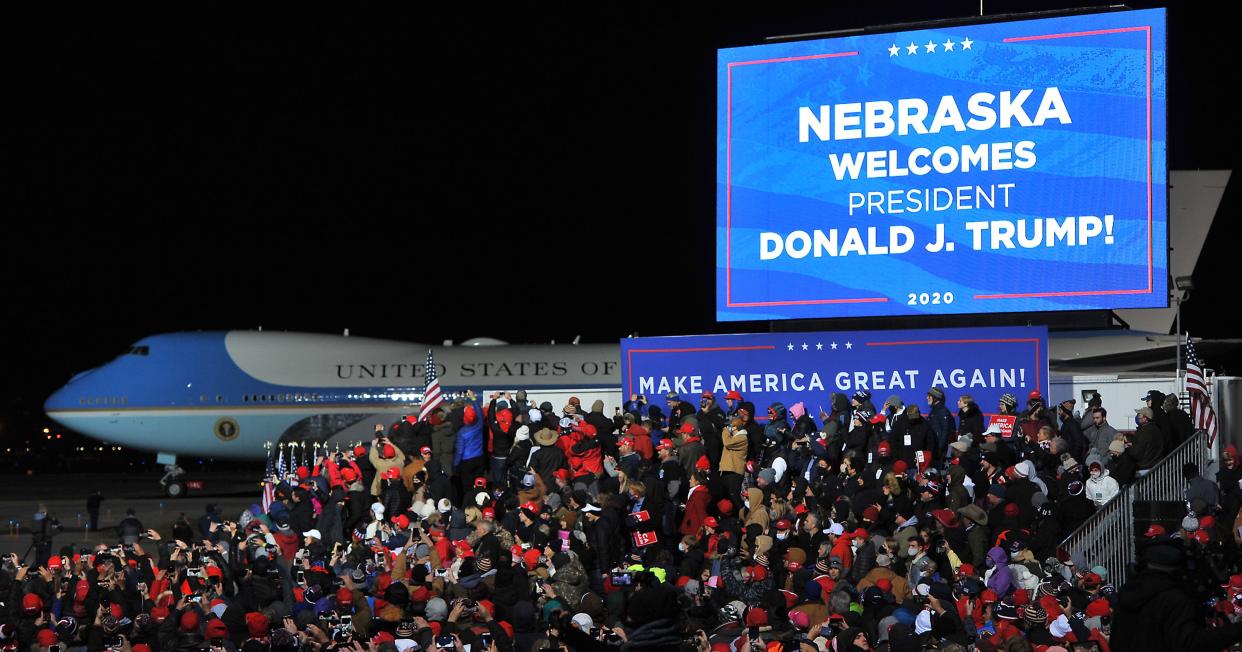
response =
{"points": [[60, 399]]}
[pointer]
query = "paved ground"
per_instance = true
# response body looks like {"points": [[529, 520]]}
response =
{"points": [[65, 496]]}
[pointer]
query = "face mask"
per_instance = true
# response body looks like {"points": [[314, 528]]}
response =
{"points": [[856, 544], [912, 551], [781, 536]]}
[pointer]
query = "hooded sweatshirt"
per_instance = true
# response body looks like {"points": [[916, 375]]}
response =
{"points": [[1000, 578]]}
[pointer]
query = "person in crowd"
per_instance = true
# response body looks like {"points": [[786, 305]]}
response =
{"points": [[506, 526]]}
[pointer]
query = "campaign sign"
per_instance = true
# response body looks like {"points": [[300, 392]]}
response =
{"points": [[642, 539], [1006, 422], [807, 367], [1003, 167]]}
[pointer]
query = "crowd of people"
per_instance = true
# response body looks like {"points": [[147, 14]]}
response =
{"points": [[696, 524]]}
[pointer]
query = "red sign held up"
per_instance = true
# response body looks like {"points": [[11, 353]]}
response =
{"points": [[1006, 423], [644, 539]]}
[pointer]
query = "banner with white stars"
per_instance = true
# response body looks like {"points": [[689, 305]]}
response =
{"points": [[791, 367], [1003, 167]]}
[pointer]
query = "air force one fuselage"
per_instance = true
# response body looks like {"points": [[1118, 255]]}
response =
{"points": [[225, 394]]}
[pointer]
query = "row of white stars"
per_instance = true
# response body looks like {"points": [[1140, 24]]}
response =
{"points": [[819, 346], [930, 47]]}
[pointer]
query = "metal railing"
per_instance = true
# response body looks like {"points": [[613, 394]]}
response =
{"points": [[1107, 538]]}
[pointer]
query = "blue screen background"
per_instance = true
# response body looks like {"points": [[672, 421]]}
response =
{"points": [[769, 181]]}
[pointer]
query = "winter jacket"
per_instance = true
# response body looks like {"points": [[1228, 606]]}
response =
{"points": [[545, 461], [778, 428], [971, 422], [757, 512], [1072, 433], [1000, 578], [443, 444], [570, 580], [1154, 612], [942, 426], [469, 424], [500, 430], [1099, 437], [584, 453], [382, 464], [733, 459], [1148, 445], [696, 510]]}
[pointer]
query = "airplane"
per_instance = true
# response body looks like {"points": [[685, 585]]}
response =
{"points": [[227, 394]]}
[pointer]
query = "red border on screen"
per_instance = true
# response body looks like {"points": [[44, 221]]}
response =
{"points": [[729, 303]]}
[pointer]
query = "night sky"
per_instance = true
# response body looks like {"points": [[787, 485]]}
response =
{"points": [[504, 173]]}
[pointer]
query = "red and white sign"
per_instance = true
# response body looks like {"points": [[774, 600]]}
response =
{"points": [[644, 539], [1006, 423]]}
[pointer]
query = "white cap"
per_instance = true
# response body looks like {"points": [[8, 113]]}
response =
{"points": [[836, 529], [313, 534], [993, 429], [444, 506], [378, 508], [591, 508], [583, 621], [522, 434]]}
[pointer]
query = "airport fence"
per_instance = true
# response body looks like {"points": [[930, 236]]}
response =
{"points": [[1107, 538]]}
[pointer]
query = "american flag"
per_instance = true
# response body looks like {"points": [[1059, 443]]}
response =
{"points": [[1200, 403], [269, 487], [432, 398]]}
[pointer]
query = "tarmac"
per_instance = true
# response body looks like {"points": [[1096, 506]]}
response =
{"points": [[65, 496]]}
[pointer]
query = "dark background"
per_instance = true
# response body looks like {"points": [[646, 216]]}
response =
{"points": [[522, 174]]}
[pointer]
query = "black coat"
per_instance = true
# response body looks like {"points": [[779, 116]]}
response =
{"points": [[919, 438], [970, 423], [1155, 613]]}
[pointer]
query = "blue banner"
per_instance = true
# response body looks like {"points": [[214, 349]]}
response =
{"points": [[1004, 167], [790, 367]]}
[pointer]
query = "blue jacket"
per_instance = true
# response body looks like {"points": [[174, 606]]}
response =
{"points": [[941, 423], [469, 435]]}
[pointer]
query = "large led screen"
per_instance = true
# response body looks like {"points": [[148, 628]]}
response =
{"points": [[1003, 167]]}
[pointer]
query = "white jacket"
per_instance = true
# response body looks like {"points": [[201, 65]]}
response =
{"points": [[1102, 489]]}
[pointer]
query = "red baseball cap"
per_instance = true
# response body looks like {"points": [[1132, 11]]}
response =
{"points": [[402, 521], [425, 450], [216, 629], [733, 395], [665, 445], [756, 617], [489, 513], [1155, 530], [711, 521], [686, 428]]}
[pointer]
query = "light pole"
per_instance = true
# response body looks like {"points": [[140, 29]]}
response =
{"points": [[1184, 285]]}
